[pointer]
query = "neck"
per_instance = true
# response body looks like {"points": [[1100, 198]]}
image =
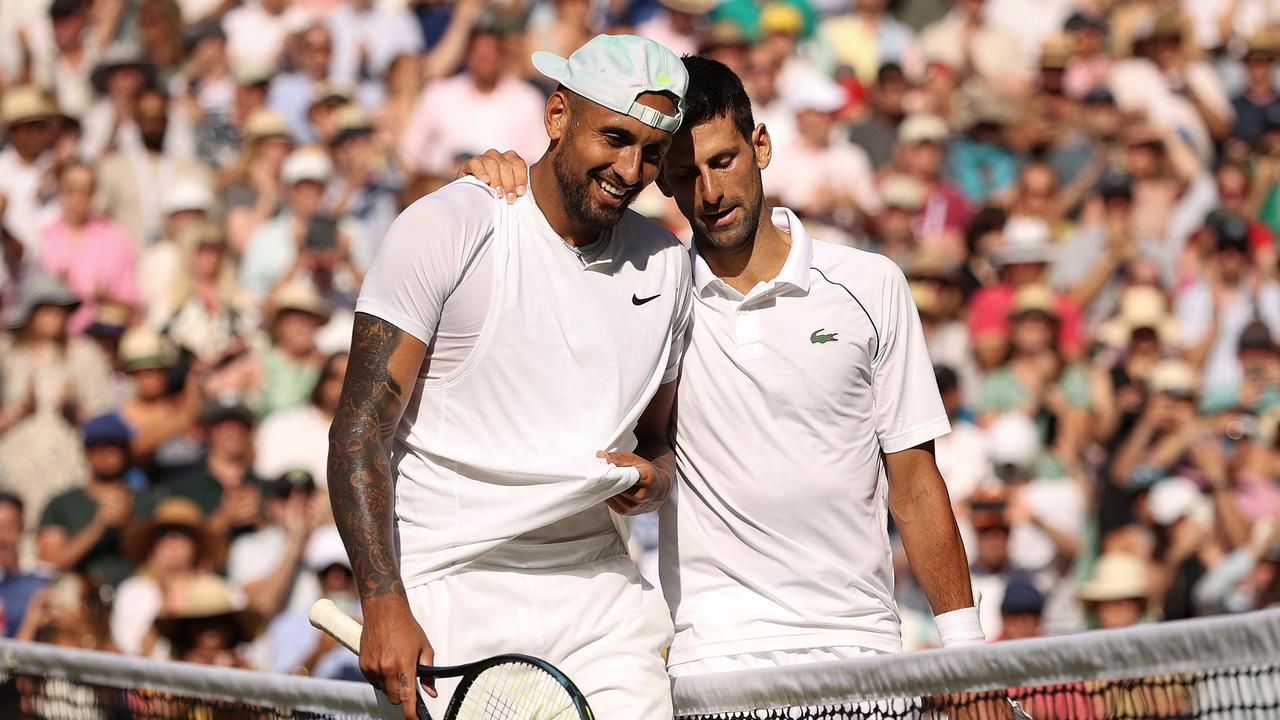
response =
{"points": [[759, 260], [551, 202]]}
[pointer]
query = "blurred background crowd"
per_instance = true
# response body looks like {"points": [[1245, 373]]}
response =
{"points": [[1084, 194]]}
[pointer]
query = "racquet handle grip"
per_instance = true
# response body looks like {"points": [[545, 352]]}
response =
{"points": [[328, 618]]}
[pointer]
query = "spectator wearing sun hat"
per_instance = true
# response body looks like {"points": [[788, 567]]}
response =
{"points": [[1023, 260], [168, 546], [187, 200], [208, 621], [920, 153], [158, 416], [292, 364], [27, 117]]}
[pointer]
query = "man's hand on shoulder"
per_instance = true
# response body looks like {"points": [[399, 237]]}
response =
{"points": [[648, 493], [506, 172]]}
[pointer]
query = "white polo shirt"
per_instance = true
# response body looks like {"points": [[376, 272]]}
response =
{"points": [[537, 359], [776, 535]]}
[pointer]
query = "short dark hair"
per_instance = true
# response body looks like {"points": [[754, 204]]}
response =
{"points": [[8, 498], [715, 91]]}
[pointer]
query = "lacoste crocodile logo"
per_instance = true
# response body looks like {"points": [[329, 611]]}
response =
{"points": [[818, 337]]}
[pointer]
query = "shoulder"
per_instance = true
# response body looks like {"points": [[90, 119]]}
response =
{"points": [[643, 236], [854, 268], [463, 199], [453, 220]]}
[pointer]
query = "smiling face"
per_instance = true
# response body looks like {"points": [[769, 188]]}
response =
{"points": [[603, 159], [713, 173]]}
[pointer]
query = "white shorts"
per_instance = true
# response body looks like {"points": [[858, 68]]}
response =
{"points": [[597, 621], [767, 659]]}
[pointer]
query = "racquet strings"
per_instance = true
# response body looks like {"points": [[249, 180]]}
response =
{"points": [[516, 691]]}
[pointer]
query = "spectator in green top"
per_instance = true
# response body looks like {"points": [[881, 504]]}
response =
{"points": [[80, 529], [223, 486]]}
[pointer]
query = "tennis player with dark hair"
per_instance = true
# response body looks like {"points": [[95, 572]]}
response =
{"points": [[508, 400], [807, 411]]}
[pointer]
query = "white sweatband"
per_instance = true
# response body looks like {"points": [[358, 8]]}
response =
{"points": [[959, 628]]}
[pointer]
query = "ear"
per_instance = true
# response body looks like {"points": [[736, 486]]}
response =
{"points": [[555, 115], [763, 145]]}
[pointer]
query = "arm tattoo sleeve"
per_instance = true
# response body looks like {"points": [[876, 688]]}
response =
{"points": [[361, 488]]}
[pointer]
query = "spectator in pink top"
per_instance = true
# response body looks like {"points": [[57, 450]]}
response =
{"points": [[93, 255], [1023, 260], [483, 107]]}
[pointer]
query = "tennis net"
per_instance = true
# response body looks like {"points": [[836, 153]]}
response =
{"points": [[1225, 667], [44, 682]]}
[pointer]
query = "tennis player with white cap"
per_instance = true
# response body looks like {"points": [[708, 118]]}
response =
{"points": [[807, 413], [508, 402]]}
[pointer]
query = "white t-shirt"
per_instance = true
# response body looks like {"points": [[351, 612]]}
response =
{"points": [[776, 537], [296, 438], [549, 360]]}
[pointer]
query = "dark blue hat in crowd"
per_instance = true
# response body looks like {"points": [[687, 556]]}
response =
{"points": [[107, 429]]}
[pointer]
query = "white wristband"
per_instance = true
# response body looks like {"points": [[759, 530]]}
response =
{"points": [[959, 628]]}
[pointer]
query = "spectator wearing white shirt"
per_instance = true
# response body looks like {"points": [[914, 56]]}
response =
{"points": [[1213, 312], [25, 165], [819, 174], [257, 30], [367, 36], [482, 107], [298, 438]]}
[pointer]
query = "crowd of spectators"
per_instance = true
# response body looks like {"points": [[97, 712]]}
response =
{"points": [[1084, 195]]}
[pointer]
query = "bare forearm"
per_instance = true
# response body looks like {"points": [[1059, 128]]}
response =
{"points": [[66, 555], [268, 595], [922, 511]]}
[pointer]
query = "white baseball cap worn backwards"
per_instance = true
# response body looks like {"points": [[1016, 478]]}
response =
{"points": [[613, 70]]}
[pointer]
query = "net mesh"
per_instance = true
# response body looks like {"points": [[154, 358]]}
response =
{"points": [[49, 683], [1215, 668]]}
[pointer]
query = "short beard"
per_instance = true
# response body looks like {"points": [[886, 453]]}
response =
{"points": [[576, 191], [731, 243]]}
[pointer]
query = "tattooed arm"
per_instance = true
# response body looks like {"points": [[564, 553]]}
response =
{"points": [[381, 372]]}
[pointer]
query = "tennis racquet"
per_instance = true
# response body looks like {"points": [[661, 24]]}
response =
{"points": [[503, 687]]}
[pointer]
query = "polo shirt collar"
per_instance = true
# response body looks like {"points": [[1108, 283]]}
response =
{"points": [[795, 270]]}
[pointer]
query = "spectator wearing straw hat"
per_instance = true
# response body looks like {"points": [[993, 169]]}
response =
{"points": [[1116, 595], [28, 119], [122, 72], [158, 416], [1023, 260], [81, 529], [169, 546], [92, 254], [1259, 95], [255, 191], [52, 383], [921, 150], [292, 364], [207, 621], [366, 182]]}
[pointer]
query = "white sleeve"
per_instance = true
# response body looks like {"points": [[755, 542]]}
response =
{"points": [[681, 322], [424, 256], [1194, 310], [908, 407]]}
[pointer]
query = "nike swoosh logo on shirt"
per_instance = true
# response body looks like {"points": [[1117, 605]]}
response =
{"points": [[640, 301]]}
